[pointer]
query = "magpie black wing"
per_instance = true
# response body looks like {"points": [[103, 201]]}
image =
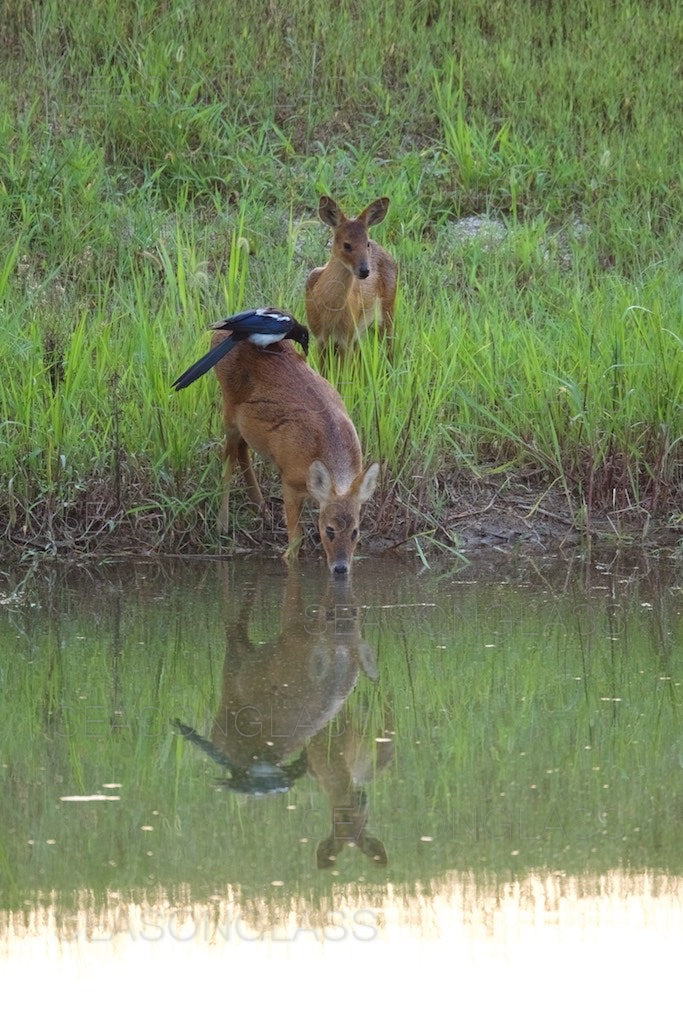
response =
{"points": [[236, 320], [256, 321], [199, 368]]}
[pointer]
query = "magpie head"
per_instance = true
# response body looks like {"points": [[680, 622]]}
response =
{"points": [[300, 333]]}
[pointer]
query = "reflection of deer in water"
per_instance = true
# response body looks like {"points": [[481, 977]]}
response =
{"points": [[278, 694], [342, 764]]}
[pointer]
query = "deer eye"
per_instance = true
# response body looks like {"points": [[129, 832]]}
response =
{"points": [[347, 247], [354, 534], [330, 532]]}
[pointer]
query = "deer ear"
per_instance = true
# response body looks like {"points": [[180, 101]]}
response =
{"points": [[319, 482], [375, 212], [368, 483], [374, 849], [329, 212]]}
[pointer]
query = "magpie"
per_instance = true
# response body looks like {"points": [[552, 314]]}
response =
{"points": [[261, 327]]}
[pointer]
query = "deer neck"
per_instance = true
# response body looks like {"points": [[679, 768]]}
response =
{"points": [[338, 282]]}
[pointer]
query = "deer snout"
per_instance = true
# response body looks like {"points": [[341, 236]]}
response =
{"points": [[363, 271], [339, 568]]}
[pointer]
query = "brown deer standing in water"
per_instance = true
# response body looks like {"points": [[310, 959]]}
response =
{"points": [[358, 283], [274, 403]]}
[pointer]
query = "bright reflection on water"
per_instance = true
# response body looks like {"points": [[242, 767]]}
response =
{"points": [[225, 765]]}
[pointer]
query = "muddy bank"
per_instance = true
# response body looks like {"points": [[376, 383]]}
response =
{"points": [[456, 513], [469, 513]]}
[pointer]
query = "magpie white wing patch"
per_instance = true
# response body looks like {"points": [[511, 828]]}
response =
{"points": [[257, 324], [273, 314]]}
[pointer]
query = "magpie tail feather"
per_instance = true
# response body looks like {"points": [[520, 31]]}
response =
{"points": [[199, 368]]}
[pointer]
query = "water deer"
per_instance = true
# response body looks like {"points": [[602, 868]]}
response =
{"points": [[357, 285], [275, 404]]}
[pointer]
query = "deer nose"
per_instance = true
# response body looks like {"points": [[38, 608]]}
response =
{"points": [[363, 272], [340, 568]]}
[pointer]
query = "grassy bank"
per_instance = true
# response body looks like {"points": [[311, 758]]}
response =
{"points": [[160, 165]]}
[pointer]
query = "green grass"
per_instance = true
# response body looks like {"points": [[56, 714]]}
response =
{"points": [[160, 166]]}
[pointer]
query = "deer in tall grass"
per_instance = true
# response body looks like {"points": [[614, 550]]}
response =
{"points": [[275, 404], [357, 285]]}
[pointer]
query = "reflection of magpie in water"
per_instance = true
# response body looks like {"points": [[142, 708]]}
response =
{"points": [[261, 327], [259, 779]]}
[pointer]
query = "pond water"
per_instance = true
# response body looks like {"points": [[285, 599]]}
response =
{"points": [[464, 782]]}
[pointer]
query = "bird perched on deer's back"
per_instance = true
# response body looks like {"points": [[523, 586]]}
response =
{"points": [[260, 327]]}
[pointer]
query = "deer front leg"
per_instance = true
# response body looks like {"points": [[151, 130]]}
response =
{"points": [[236, 451], [293, 501]]}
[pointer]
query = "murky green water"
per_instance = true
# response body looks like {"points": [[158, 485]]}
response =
{"points": [[222, 765]]}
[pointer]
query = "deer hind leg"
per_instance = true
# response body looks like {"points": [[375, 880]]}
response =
{"points": [[386, 321], [388, 331], [236, 451]]}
